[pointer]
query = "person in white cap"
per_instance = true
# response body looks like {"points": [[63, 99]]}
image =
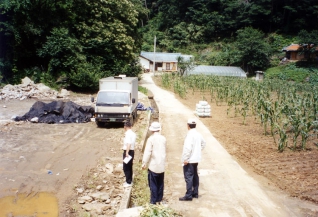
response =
{"points": [[191, 156], [155, 157], [128, 148]]}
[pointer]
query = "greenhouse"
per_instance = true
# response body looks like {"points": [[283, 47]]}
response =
{"points": [[218, 70]]}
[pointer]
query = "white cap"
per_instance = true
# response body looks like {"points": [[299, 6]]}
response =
{"points": [[155, 126], [191, 121]]}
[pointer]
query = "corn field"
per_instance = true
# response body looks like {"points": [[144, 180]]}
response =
{"points": [[287, 111]]}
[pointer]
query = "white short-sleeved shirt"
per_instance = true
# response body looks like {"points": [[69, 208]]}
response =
{"points": [[130, 138]]}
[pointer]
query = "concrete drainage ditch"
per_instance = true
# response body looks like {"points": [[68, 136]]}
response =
{"points": [[125, 209]]}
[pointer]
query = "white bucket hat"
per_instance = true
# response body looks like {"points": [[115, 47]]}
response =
{"points": [[155, 126], [191, 121]]}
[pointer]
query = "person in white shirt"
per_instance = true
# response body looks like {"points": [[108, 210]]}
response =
{"points": [[129, 146], [154, 157], [191, 156]]}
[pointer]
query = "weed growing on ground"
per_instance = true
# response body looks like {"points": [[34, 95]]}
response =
{"points": [[151, 210]]}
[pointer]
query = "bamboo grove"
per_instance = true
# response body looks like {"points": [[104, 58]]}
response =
{"points": [[287, 111]]}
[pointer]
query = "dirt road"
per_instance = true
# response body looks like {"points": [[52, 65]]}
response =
{"points": [[226, 189]]}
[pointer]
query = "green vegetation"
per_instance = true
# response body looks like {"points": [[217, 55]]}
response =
{"points": [[72, 44], [79, 41], [140, 194], [158, 211], [143, 90], [293, 72], [289, 110]]}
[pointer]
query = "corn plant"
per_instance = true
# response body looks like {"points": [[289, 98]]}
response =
{"points": [[271, 101]]}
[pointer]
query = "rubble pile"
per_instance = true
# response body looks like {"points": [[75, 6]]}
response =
{"points": [[28, 89], [101, 195]]}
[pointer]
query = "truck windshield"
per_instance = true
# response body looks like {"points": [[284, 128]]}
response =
{"points": [[112, 98]]}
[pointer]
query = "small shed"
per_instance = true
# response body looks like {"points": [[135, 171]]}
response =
{"points": [[296, 52], [218, 70], [259, 75], [163, 61]]}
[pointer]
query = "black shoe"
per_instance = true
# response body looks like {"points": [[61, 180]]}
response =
{"points": [[195, 196], [185, 199]]}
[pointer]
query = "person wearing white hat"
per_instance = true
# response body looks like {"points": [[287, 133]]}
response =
{"points": [[191, 156], [155, 158]]}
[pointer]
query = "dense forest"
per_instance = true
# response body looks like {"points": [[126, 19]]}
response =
{"points": [[68, 42]]}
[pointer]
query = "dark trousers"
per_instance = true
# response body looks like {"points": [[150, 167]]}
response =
{"points": [[191, 177], [128, 168], [156, 185]]}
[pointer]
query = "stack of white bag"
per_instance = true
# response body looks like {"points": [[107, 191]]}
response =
{"points": [[203, 109]]}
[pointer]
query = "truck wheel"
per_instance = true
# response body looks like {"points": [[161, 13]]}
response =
{"points": [[134, 114], [131, 119], [100, 124]]}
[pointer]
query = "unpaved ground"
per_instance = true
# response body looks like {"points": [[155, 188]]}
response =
{"points": [[280, 176], [70, 151], [295, 172], [28, 150]]}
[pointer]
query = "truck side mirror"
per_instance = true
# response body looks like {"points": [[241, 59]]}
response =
{"points": [[133, 100], [92, 99]]}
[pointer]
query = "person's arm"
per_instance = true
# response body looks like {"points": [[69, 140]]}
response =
{"points": [[187, 149], [147, 154], [128, 144], [127, 149]]}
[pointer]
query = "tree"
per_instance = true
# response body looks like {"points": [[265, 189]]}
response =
{"points": [[308, 42], [252, 51], [81, 40], [184, 66]]}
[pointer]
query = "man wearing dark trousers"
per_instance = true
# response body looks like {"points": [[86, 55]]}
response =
{"points": [[155, 157], [191, 156], [129, 145]]}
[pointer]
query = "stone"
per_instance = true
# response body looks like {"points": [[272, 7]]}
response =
{"points": [[97, 207], [63, 93], [99, 187], [118, 169], [34, 120], [109, 168], [27, 81], [100, 196], [79, 190], [43, 88], [84, 199]]}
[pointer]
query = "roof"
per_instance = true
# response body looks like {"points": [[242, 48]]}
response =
{"points": [[163, 57], [297, 47], [292, 47], [218, 70]]}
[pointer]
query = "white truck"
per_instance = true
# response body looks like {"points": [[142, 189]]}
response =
{"points": [[116, 100]]}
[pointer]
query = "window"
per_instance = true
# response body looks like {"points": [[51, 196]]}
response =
{"points": [[111, 98]]}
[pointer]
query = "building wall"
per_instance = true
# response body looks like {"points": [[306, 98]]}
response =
{"points": [[148, 65], [145, 64], [172, 67]]}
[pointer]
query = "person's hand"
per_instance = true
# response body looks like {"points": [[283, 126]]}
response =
{"points": [[143, 167], [185, 163]]}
